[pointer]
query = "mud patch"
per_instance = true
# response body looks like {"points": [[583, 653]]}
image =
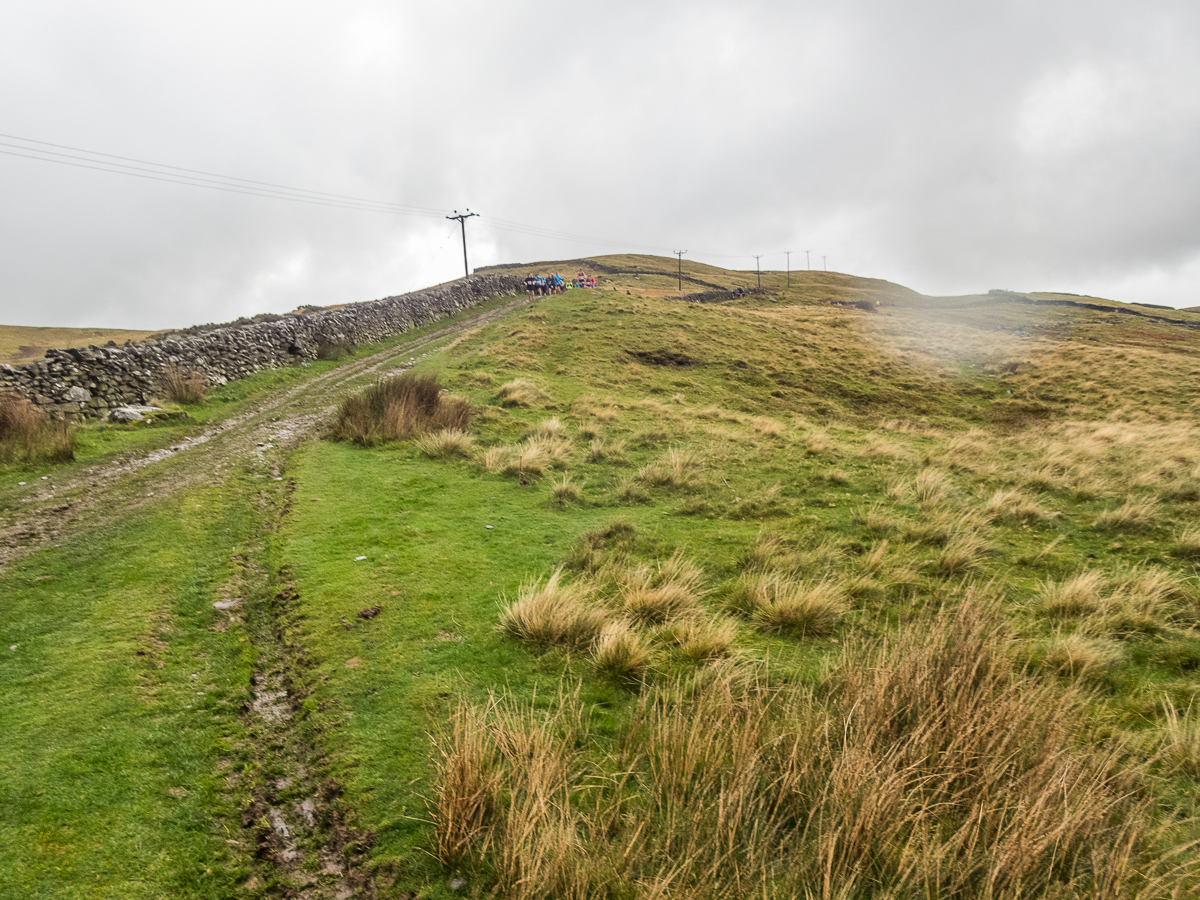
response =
{"points": [[663, 357]]}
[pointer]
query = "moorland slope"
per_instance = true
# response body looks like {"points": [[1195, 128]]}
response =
{"points": [[832, 590]]}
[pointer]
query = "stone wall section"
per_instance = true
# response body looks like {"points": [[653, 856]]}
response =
{"points": [[92, 381]]}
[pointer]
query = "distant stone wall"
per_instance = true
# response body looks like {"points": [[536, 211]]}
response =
{"points": [[93, 380], [724, 295]]}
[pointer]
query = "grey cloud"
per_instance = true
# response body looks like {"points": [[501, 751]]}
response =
{"points": [[949, 146]]}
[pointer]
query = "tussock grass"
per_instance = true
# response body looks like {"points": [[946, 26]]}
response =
{"points": [[1136, 514], [775, 601], [600, 409], [938, 528], [548, 431], [397, 409], [928, 765], [526, 462], [677, 468], [554, 613], [520, 392], [1187, 544], [651, 595], [564, 492], [334, 348], [1180, 749], [876, 520], [621, 653], [1081, 657], [765, 425], [818, 442], [468, 783], [611, 452], [1077, 596], [1010, 505], [700, 639], [961, 554], [184, 385], [447, 443], [28, 434], [932, 487]]}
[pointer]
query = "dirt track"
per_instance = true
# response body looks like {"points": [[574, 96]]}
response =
{"points": [[59, 507]]}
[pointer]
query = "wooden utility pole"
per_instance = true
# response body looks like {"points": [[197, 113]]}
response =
{"points": [[757, 270], [788, 254], [680, 253], [461, 218]]}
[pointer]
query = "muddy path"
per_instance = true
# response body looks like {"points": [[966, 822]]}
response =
{"points": [[56, 507]]}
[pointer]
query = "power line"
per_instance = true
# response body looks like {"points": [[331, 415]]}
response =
{"points": [[218, 175], [124, 165], [230, 189]]}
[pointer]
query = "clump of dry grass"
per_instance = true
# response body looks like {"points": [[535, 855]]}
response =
{"points": [[1077, 596], [602, 451], [548, 431], [1180, 748], [448, 442], [397, 409], [926, 765], [932, 487], [1136, 514], [700, 639], [765, 425], [1013, 506], [677, 468], [1187, 544], [554, 613], [630, 490], [603, 410], [466, 797], [651, 595], [621, 653], [184, 385], [938, 528], [876, 520], [962, 554], [334, 347], [1081, 657], [774, 601], [28, 434], [564, 491], [520, 392], [525, 462], [819, 443]]}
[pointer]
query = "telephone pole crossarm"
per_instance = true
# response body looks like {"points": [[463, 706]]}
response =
{"points": [[461, 218]]}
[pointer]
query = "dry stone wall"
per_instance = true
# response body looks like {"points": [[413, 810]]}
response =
{"points": [[93, 380]]}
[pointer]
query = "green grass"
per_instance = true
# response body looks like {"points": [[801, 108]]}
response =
{"points": [[118, 704], [833, 444], [875, 456]]}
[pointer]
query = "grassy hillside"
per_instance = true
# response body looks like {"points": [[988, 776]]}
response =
{"points": [[21, 344], [777, 597]]}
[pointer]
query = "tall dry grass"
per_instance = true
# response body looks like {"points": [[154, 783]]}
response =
{"points": [[555, 612], [396, 409], [28, 434], [926, 765], [184, 385]]}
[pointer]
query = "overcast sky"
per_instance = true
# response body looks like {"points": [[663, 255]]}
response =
{"points": [[946, 145]]}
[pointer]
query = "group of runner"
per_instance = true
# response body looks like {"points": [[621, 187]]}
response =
{"points": [[544, 286]]}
